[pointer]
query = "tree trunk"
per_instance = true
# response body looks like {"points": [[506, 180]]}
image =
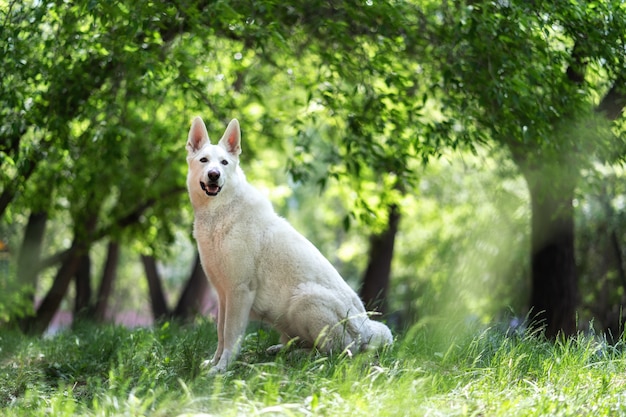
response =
{"points": [[157, 297], [376, 278], [109, 274], [82, 279], [554, 292], [191, 299], [30, 252]]}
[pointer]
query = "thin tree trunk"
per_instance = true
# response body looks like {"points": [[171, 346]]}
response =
{"points": [[82, 279], [30, 251], [193, 295], [109, 274], [377, 274], [157, 297]]}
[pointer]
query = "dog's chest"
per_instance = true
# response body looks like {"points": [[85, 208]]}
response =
{"points": [[212, 234], [221, 244]]}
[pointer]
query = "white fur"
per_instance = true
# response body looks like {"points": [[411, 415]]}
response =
{"points": [[260, 266]]}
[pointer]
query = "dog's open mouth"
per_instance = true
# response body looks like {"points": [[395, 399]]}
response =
{"points": [[211, 189]]}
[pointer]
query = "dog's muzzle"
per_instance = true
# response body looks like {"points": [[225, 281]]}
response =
{"points": [[212, 186]]}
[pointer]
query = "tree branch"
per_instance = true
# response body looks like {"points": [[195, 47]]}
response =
{"points": [[122, 222]]}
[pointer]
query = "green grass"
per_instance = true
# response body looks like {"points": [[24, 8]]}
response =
{"points": [[106, 371]]}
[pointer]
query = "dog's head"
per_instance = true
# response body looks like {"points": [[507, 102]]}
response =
{"points": [[210, 166]]}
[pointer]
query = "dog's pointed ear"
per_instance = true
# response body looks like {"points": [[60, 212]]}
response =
{"points": [[198, 135], [231, 140]]}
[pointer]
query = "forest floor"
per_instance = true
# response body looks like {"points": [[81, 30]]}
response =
{"points": [[112, 370]]}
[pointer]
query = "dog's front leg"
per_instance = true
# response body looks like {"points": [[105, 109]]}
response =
{"points": [[221, 298], [237, 306]]}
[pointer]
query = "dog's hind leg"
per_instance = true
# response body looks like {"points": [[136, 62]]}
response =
{"points": [[320, 321], [237, 306]]}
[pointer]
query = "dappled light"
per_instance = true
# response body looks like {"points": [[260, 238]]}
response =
{"points": [[461, 165]]}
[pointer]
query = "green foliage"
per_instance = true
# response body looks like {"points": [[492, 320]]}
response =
{"points": [[527, 71], [14, 296], [14, 301], [115, 371], [86, 100]]}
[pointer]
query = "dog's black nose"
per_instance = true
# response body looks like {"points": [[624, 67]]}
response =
{"points": [[214, 175]]}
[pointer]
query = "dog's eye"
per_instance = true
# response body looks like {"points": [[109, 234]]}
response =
{"points": [[204, 159], [224, 162]]}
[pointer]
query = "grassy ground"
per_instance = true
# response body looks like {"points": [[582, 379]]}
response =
{"points": [[106, 371]]}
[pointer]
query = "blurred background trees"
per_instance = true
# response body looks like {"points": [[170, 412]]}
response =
{"points": [[452, 159]]}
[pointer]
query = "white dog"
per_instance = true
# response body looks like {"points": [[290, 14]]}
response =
{"points": [[260, 266]]}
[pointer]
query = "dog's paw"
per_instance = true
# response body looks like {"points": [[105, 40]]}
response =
{"points": [[215, 371], [206, 364], [222, 364]]}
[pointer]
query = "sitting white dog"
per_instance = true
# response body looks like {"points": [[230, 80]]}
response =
{"points": [[260, 266]]}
